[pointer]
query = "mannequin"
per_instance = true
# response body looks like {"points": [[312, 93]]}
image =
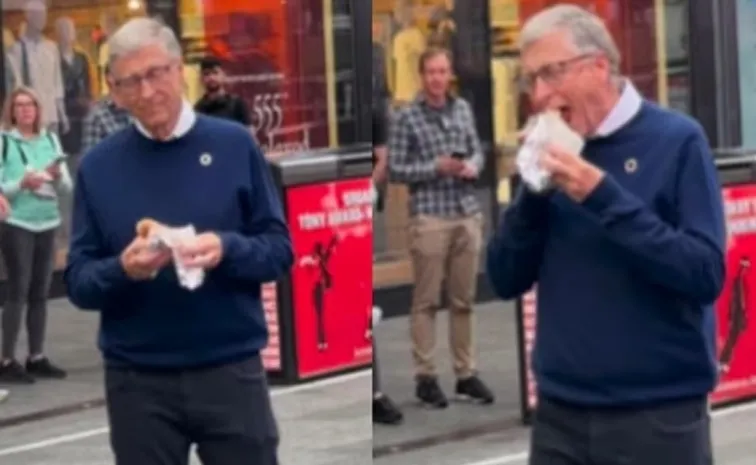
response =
{"points": [[37, 62], [76, 85], [10, 72], [108, 25], [407, 46]]}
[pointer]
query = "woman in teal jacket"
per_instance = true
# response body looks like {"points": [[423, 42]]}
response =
{"points": [[33, 174]]}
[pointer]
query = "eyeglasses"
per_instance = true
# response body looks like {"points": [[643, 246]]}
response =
{"points": [[153, 76], [551, 73]]}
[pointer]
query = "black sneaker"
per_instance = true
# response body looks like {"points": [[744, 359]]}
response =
{"points": [[473, 389], [430, 394], [13, 373], [42, 368], [386, 412]]}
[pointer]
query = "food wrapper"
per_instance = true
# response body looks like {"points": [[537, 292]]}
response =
{"points": [[171, 238], [543, 130]]}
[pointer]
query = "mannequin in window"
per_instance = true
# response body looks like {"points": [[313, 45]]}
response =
{"points": [[10, 73], [108, 25], [37, 61], [76, 86], [407, 45]]}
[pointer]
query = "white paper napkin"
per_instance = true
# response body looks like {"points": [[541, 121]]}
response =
{"points": [[189, 278], [542, 130]]}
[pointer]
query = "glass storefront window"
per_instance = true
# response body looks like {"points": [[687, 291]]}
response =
{"points": [[281, 58]]}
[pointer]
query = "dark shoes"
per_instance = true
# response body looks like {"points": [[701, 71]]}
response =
{"points": [[472, 389], [42, 368], [14, 373], [386, 412], [430, 394]]}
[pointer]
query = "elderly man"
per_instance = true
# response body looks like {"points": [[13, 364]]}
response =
{"points": [[627, 251], [183, 366]]}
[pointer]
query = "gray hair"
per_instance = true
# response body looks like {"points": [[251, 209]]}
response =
{"points": [[588, 32], [138, 33]]}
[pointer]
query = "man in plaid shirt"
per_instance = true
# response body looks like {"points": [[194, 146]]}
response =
{"points": [[104, 119], [434, 149]]}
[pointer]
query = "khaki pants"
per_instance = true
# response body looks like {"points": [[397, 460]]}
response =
{"points": [[445, 251]]}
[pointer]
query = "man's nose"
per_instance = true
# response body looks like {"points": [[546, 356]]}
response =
{"points": [[146, 89], [540, 93]]}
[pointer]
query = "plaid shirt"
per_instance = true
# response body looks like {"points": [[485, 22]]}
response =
{"points": [[104, 119], [419, 135]]}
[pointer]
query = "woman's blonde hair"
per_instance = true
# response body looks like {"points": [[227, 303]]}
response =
{"points": [[9, 121]]}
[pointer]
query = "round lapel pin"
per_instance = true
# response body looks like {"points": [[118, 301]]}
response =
{"points": [[206, 159], [631, 165]]}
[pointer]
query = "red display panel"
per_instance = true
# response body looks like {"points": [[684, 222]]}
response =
{"points": [[331, 229], [736, 333]]}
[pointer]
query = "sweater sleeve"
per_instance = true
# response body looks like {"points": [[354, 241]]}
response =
{"points": [[688, 257], [515, 252], [93, 277], [263, 251]]}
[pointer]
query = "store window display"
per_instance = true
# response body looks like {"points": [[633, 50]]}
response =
{"points": [[37, 63], [77, 87], [276, 57]]}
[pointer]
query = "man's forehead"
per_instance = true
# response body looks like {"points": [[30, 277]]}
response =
{"points": [[141, 60], [550, 48]]}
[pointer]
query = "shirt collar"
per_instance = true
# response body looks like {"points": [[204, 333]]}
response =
{"points": [[628, 105], [185, 122]]}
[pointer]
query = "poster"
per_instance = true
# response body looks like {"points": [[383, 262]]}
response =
{"points": [[271, 354], [736, 333], [331, 229]]}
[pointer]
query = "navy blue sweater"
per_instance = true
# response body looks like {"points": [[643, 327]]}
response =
{"points": [[157, 323], [626, 279]]}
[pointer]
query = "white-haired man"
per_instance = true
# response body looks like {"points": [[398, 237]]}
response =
{"points": [[627, 251], [182, 367]]}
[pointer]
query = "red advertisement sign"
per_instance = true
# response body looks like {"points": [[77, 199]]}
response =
{"points": [[331, 227], [736, 306]]}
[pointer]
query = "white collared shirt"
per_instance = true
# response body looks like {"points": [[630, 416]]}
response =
{"points": [[186, 121], [628, 105]]}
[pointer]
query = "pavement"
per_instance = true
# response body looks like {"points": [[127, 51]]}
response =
{"points": [[325, 422]]}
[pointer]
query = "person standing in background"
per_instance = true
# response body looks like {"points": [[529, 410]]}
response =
{"points": [[33, 173], [104, 118], [434, 149], [627, 252], [217, 100]]}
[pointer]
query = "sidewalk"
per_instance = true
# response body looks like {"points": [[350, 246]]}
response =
{"points": [[497, 361], [71, 343]]}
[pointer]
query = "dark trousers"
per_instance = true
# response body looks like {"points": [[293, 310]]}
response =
{"points": [[29, 262], [675, 433], [226, 411]]}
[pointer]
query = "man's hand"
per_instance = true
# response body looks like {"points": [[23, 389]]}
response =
{"points": [[571, 173], [203, 251], [142, 261], [4, 207], [469, 172], [449, 166]]}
